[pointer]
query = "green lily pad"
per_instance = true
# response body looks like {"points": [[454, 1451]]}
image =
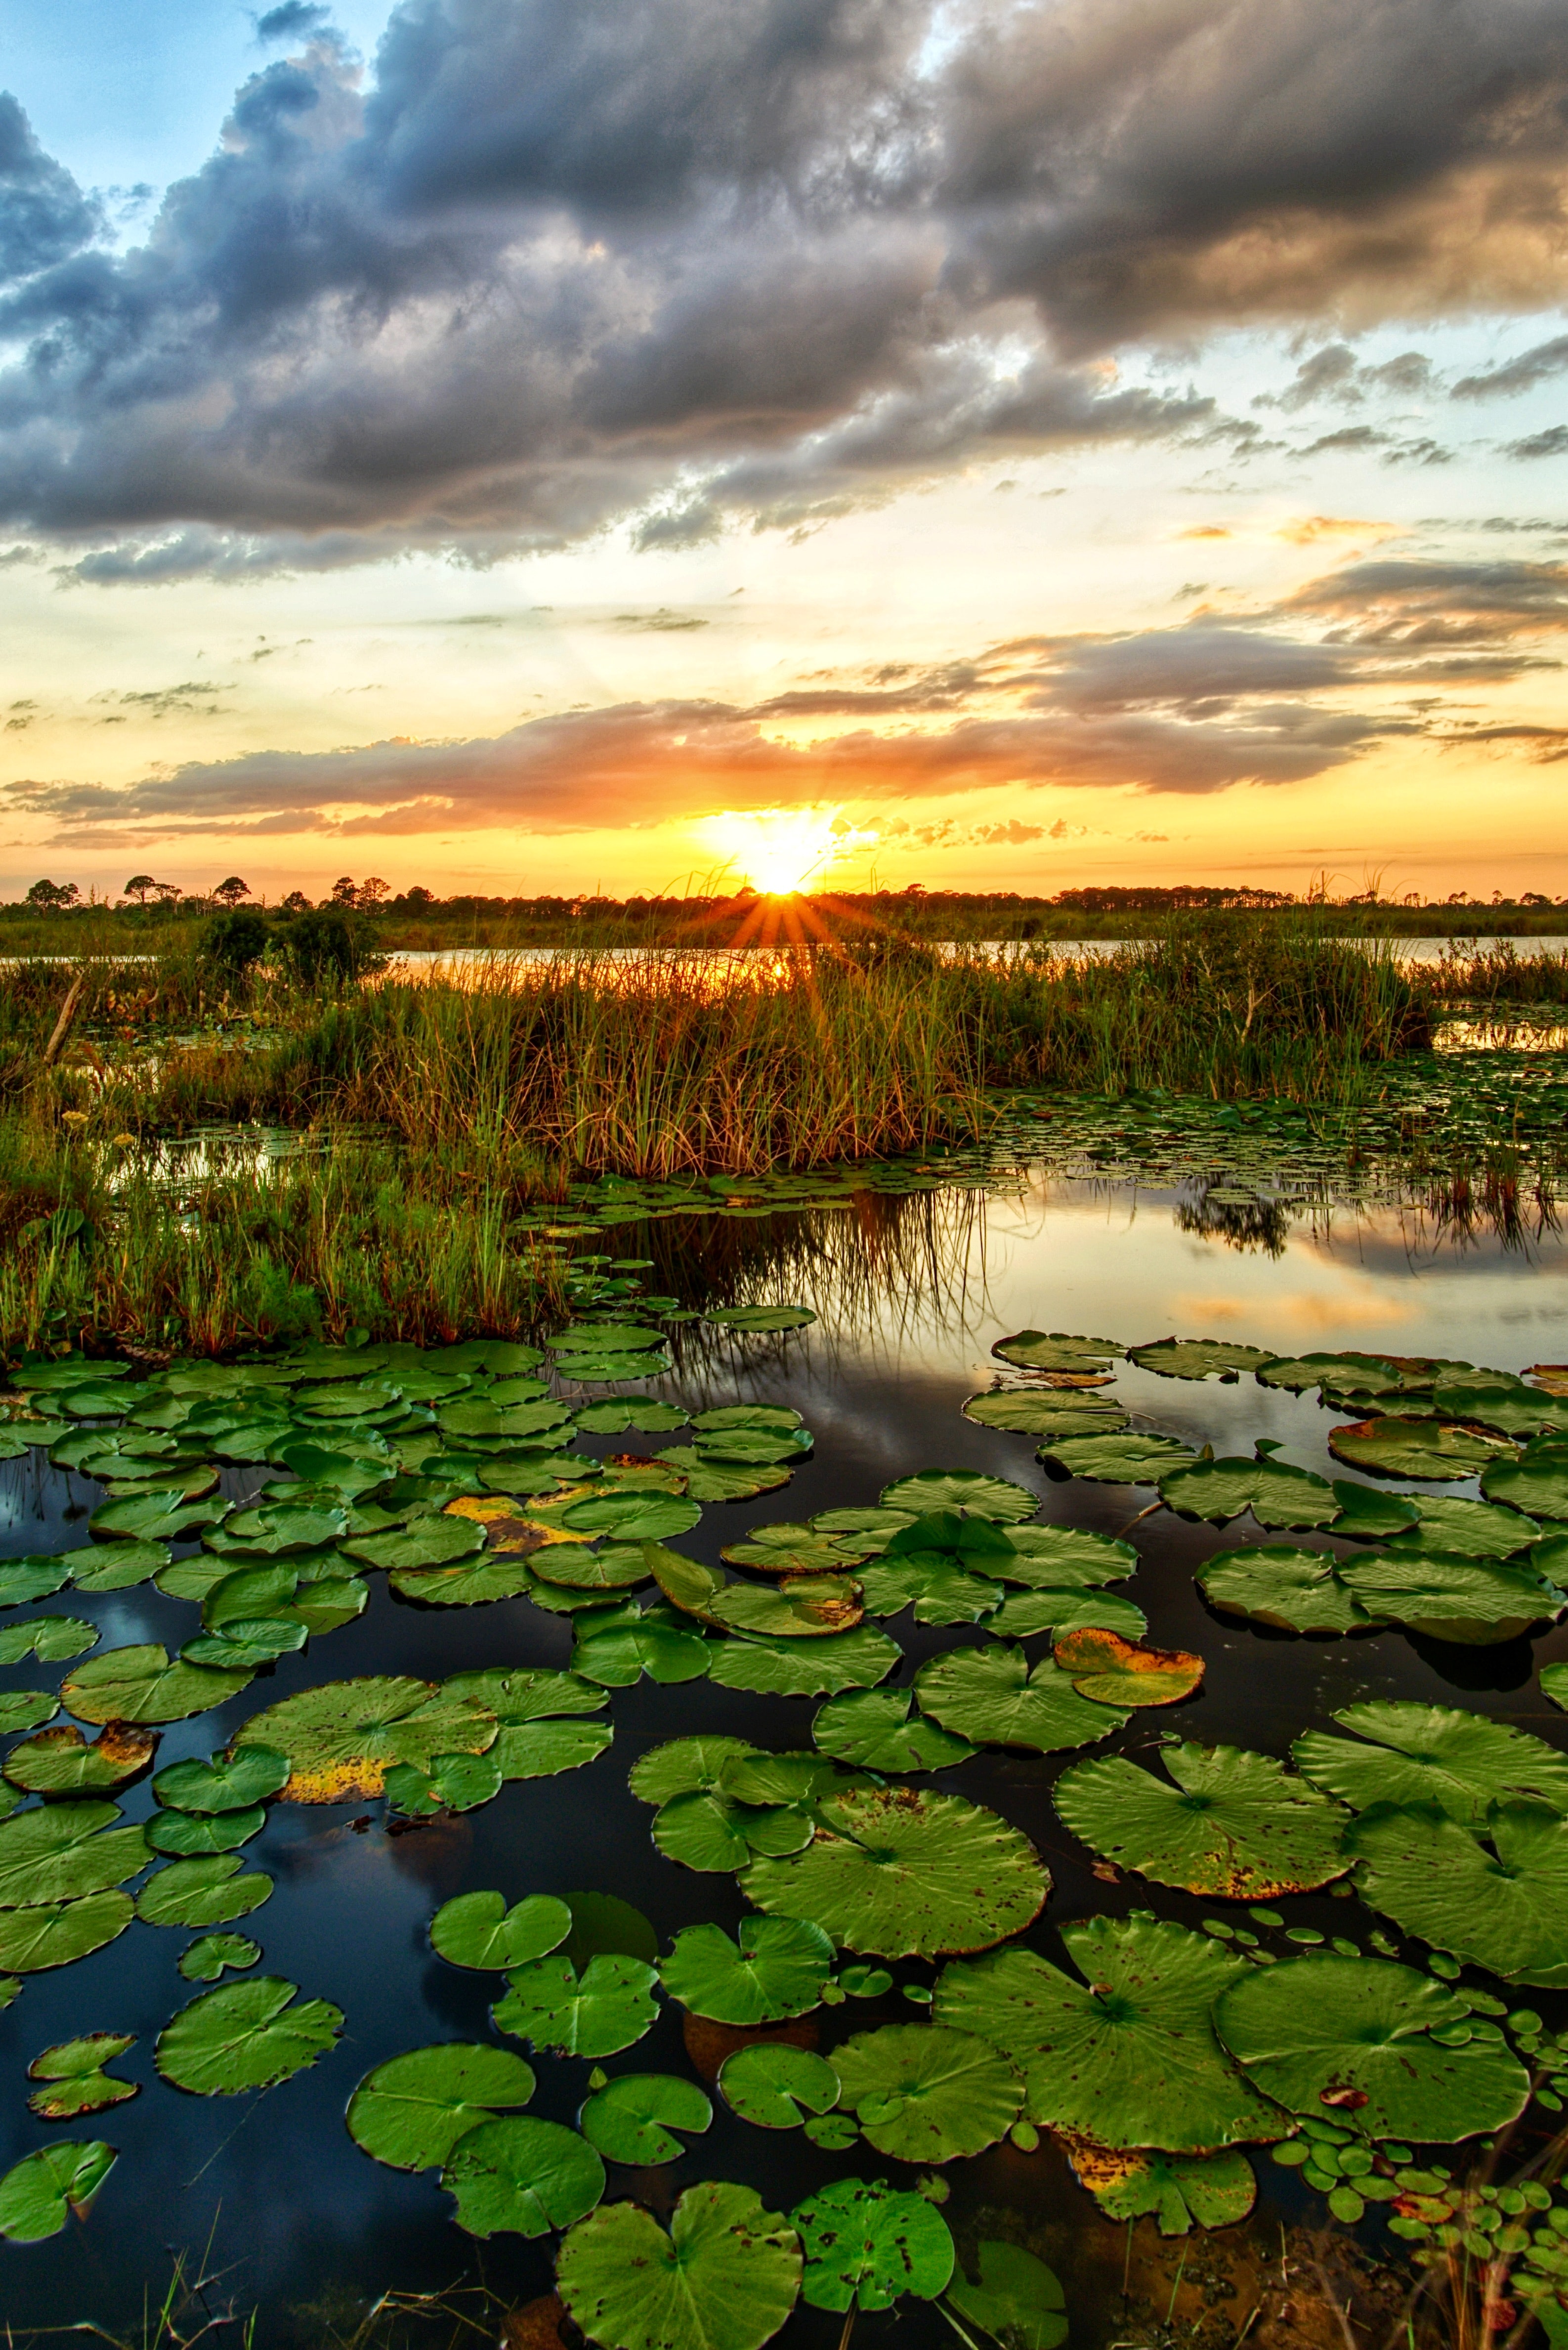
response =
{"points": [[926, 2093], [342, 1737], [1064, 1558], [77, 2082], [61, 1762], [41, 2192], [683, 1766], [760, 1317], [1129, 1460], [903, 1874], [1367, 1515], [610, 1414], [632, 1517], [872, 1728], [449, 1783], [1435, 1877], [1179, 2191], [719, 1480], [184, 1834], [777, 1969], [856, 1659], [516, 2175], [244, 2035], [1535, 1481], [1292, 1590], [684, 1581], [23, 1580], [707, 1832], [1054, 1350], [1463, 1763], [1127, 2057], [1465, 1530], [1198, 1358], [210, 1890], [1310, 2031], [1018, 2301], [436, 1541], [1024, 1614], [141, 1684], [1234, 1824], [620, 1566], [1416, 1448], [939, 1589], [410, 2112], [56, 1933], [793, 1550], [603, 1922], [1044, 1411], [471, 1583], [633, 2119], [206, 1961], [164, 1515], [1474, 1602], [608, 1368], [609, 2009], [228, 1782], [51, 1638], [961, 1490], [866, 2243], [989, 1696], [808, 1608], [615, 1647], [1553, 1684], [1276, 1494], [275, 1528], [477, 1930], [26, 1709], [724, 2278], [531, 1742], [64, 1850], [770, 2082], [245, 1646]]}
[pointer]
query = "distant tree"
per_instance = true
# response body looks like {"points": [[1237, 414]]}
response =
{"points": [[418, 898], [333, 944], [297, 902], [232, 942], [137, 887], [229, 893], [53, 896], [166, 892], [344, 892], [371, 891]]}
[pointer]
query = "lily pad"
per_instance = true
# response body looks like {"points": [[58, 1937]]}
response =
{"points": [[61, 1762], [1179, 2191], [1064, 1558], [961, 1490], [410, 2112], [23, 1580], [1127, 2057], [927, 2092], [531, 1742], [65, 1850], [939, 1589], [1291, 1590], [275, 1528], [1277, 1495], [228, 1782], [619, 1567], [342, 1736], [866, 2243], [1018, 2301], [1198, 1358], [770, 2082], [1418, 1754], [1024, 1614], [615, 1647], [208, 1891], [449, 1783], [1464, 1530], [141, 1684], [436, 1541], [683, 1766], [208, 1959], [900, 1874], [51, 1638], [1054, 1350], [856, 1659], [634, 2118], [244, 2035], [873, 1728], [760, 1317], [1367, 1515], [1129, 1460], [724, 2278], [41, 2192], [26, 1709], [184, 1834], [477, 1930], [163, 1516], [1234, 1824], [77, 2082], [1435, 1877], [1473, 1602], [1535, 1481], [611, 1414], [1416, 1448], [632, 1517], [56, 1933], [1044, 1411], [804, 1607], [1109, 1670], [609, 2009], [517, 2176], [989, 1696], [719, 1480], [1354, 2037], [777, 1969]]}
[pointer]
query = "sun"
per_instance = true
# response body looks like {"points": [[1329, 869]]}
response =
{"points": [[780, 850]]}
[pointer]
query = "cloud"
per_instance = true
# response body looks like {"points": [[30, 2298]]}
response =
{"points": [[560, 263], [1333, 373], [1553, 442], [1521, 374], [1411, 605]]}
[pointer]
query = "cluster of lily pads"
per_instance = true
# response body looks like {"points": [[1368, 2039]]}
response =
{"points": [[1156, 2057]]}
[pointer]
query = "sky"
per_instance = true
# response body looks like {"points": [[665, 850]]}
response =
{"points": [[534, 446]]}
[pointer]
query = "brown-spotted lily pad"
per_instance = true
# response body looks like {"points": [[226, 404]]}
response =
{"points": [[1109, 1670]]}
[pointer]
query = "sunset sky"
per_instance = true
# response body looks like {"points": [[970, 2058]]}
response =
{"points": [[534, 445]]}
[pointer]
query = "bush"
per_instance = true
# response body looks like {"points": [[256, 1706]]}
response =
{"points": [[235, 942], [330, 943]]}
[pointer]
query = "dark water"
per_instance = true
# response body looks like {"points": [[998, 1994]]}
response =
{"points": [[309, 2230]]}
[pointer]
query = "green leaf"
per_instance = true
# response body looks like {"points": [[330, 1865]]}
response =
{"points": [[1432, 1754], [961, 1489], [1310, 2030], [869, 2243], [1064, 1558], [726, 2277], [477, 1930], [777, 1969], [1234, 1824], [39, 2194], [1367, 1515], [1536, 1480], [1435, 1877], [205, 1961], [1045, 1411], [411, 2112], [1052, 1350], [436, 1541], [206, 1891], [1276, 1494], [56, 1933], [872, 1728], [25, 1709], [51, 1638], [244, 2035], [228, 1782], [615, 1647], [1475, 1602], [1115, 1460], [619, 1567], [1198, 1358], [139, 1684], [707, 1833], [23, 1579], [275, 1528], [1463, 1530], [525, 1694], [517, 2176], [1291, 1590], [610, 1414], [1018, 2299], [1024, 1614], [66, 1850], [1553, 1684], [926, 2093], [938, 1587], [770, 2082], [540, 1749], [1178, 2190], [808, 1606], [161, 1516], [78, 2082], [1130, 2055], [717, 1481], [450, 1783], [902, 1874], [854, 1659], [1416, 1448], [609, 2009], [188, 1832], [341, 1737], [989, 1696], [603, 1922], [632, 2118], [683, 1766], [760, 1317], [61, 1762], [632, 1517]]}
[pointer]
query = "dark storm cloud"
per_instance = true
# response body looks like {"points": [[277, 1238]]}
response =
{"points": [[557, 262]]}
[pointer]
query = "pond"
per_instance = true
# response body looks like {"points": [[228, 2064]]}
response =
{"points": [[268, 2193]]}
